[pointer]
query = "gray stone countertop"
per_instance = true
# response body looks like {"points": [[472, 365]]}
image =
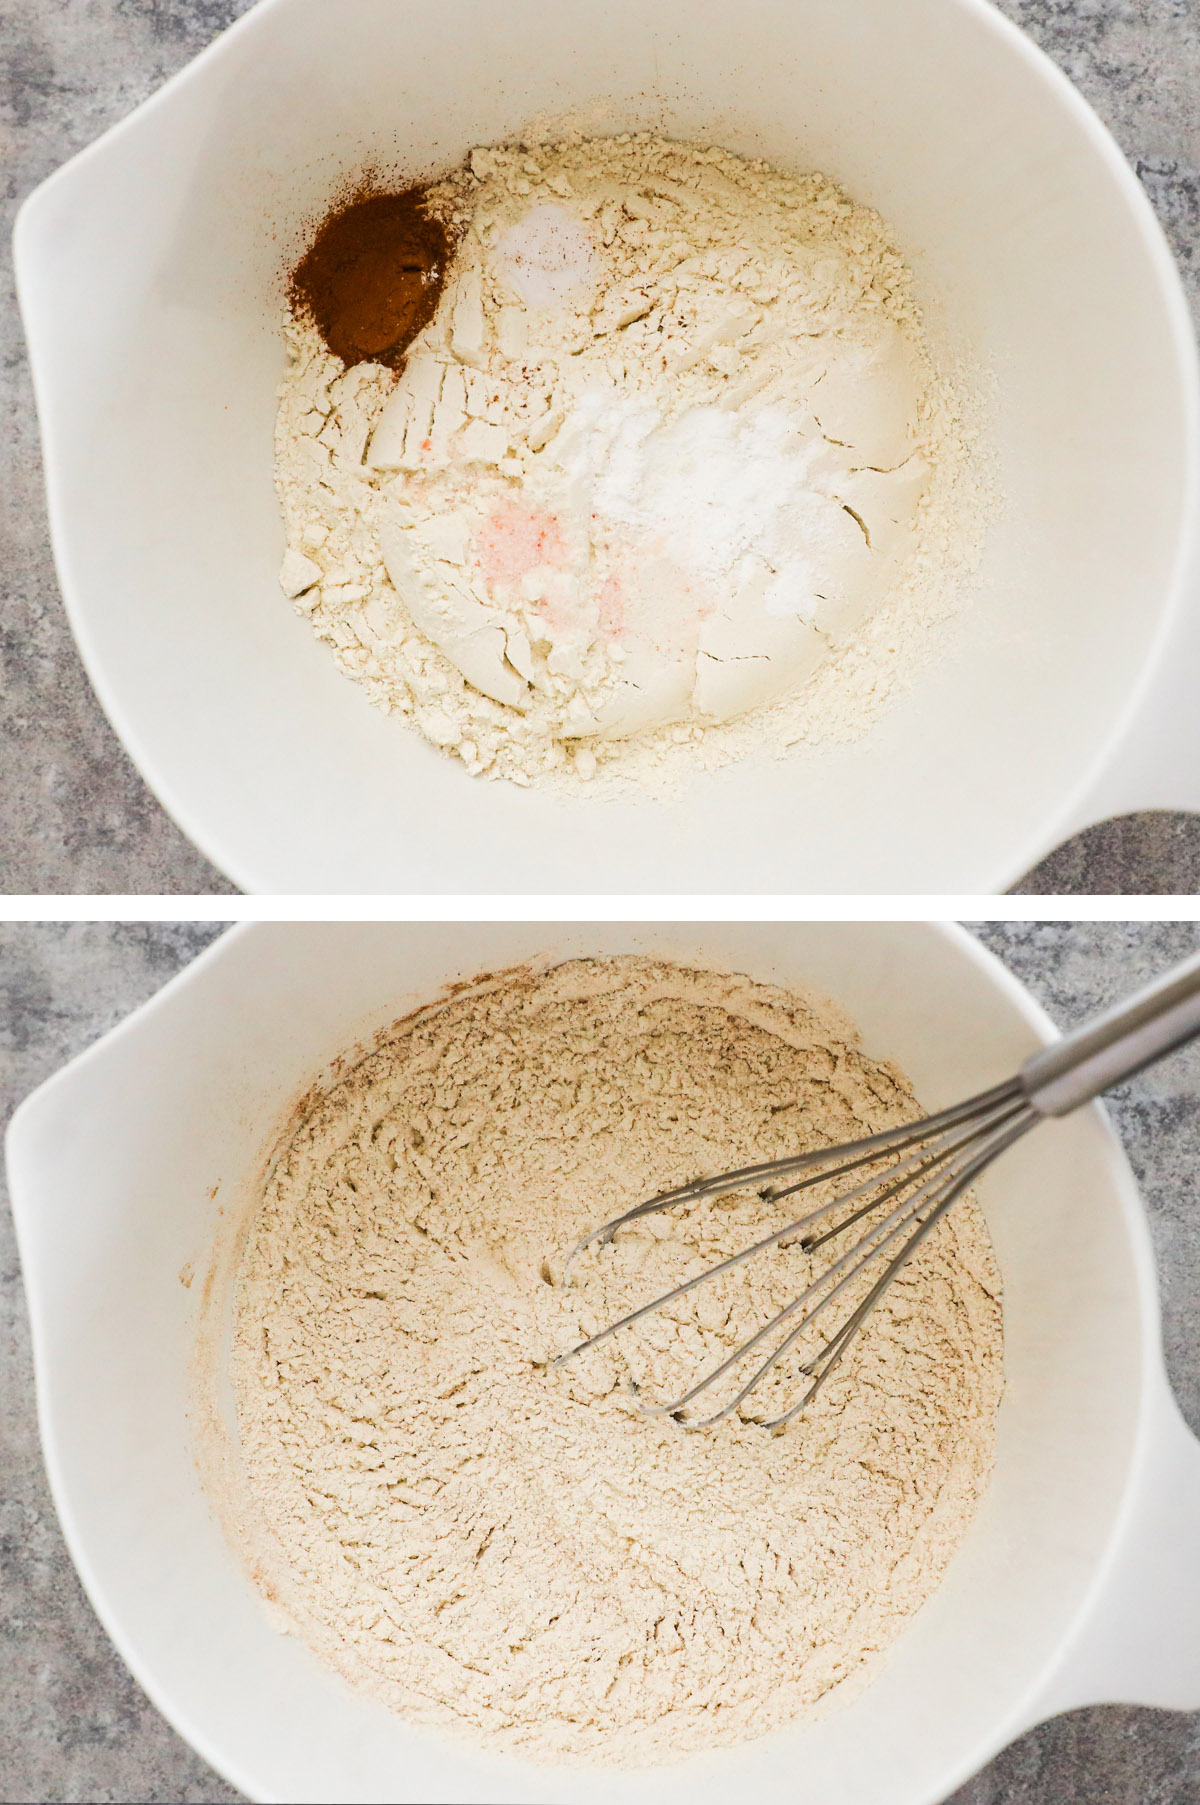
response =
{"points": [[73, 1723], [75, 817]]}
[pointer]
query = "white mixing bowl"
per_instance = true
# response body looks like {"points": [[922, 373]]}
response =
{"points": [[1078, 1581], [150, 272]]}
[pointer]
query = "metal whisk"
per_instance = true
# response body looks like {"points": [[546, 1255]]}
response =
{"points": [[927, 1166]]}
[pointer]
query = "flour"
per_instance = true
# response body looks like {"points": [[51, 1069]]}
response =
{"points": [[668, 471], [515, 1551]]}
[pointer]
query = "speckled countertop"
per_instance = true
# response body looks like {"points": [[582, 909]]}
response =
{"points": [[74, 815], [75, 1726]]}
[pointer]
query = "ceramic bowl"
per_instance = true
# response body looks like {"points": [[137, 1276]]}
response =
{"points": [[151, 272]]}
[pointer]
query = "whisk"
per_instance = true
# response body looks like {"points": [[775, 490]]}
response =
{"points": [[927, 1165]]}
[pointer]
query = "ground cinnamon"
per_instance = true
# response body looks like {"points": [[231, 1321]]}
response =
{"points": [[373, 276]]}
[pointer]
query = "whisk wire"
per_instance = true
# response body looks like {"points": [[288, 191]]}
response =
{"points": [[862, 1255], [946, 1144], [832, 1353], [933, 1162], [903, 1175], [850, 1155], [949, 1150], [790, 1231]]}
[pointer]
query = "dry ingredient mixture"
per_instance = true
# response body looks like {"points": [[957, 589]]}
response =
{"points": [[667, 467], [514, 1550]]}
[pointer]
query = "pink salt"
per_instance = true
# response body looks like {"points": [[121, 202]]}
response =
{"points": [[611, 605], [516, 540]]}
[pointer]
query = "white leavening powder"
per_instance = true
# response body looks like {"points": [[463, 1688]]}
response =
{"points": [[671, 467], [517, 1552]]}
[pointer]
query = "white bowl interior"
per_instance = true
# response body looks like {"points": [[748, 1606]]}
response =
{"points": [[1030, 241], [122, 1164]]}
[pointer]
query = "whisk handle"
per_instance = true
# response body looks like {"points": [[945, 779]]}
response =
{"points": [[1118, 1043]]}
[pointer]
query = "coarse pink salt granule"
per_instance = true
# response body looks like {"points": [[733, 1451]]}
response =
{"points": [[515, 540]]}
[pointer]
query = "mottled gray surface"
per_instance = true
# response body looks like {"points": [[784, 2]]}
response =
{"points": [[74, 815], [74, 1726], [1152, 854], [73, 1723]]}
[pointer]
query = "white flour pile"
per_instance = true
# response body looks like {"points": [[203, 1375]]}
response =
{"points": [[518, 1553], [670, 473]]}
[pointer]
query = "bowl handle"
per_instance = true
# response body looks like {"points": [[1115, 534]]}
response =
{"points": [[1138, 1641], [1156, 762]]}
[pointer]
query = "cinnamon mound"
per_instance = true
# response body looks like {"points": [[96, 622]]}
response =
{"points": [[373, 276]]}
